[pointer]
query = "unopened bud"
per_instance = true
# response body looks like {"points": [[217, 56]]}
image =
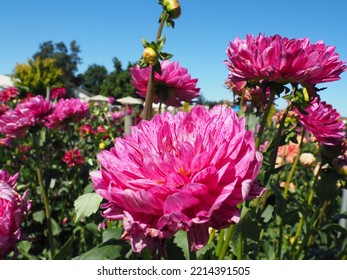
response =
{"points": [[150, 56], [102, 145], [173, 7]]}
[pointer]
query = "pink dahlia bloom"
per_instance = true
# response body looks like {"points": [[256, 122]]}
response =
{"points": [[187, 171], [282, 60], [7, 178], [68, 110], [323, 122], [13, 208], [8, 94], [34, 111], [58, 93], [173, 86], [73, 158]]}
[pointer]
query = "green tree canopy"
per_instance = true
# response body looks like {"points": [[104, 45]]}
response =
{"points": [[36, 75], [93, 77], [117, 83], [65, 59]]}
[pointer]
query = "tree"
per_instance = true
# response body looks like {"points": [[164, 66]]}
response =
{"points": [[64, 59], [117, 83], [36, 75], [93, 77]]}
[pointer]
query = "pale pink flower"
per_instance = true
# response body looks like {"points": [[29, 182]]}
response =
{"points": [[13, 209], [288, 152], [172, 87], [283, 60], [323, 122], [187, 171], [68, 110]]}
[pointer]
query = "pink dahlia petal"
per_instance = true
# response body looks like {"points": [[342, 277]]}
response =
{"points": [[323, 122], [13, 208], [282, 60], [67, 110], [179, 172], [173, 86]]}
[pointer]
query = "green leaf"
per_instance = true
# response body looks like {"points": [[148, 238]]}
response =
{"points": [[145, 43], [39, 216], [87, 204], [113, 233], [56, 229], [110, 250], [165, 56], [65, 250], [181, 241]]}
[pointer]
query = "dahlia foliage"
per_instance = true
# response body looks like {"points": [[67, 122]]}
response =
{"points": [[184, 172]]}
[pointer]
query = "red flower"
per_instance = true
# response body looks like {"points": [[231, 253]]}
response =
{"points": [[8, 94], [73, 158]]}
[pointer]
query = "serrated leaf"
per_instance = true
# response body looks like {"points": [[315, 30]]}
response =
{"points": [[86, 204], [181, 241]]}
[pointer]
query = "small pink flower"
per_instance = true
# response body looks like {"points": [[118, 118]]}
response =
{"points": [[8, 94], [288, 152], [68, 110], [15, 123], [323, 122], [73, 158], [172, 87], [58, 93], [117, 115], [86, 130], [102, 130], [187, 171], [282, 60], [13, 209]]}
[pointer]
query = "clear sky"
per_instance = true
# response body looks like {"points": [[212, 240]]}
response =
{"points": [[114, 28]]}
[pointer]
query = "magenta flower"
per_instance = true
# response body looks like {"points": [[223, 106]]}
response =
{"points": [[15, 123], [8, 94], [282, 60], [323, 122], [58, 93], [68, 110], [187, 171], [7, 178], [73, 158], [172, 87], [13, 209]]}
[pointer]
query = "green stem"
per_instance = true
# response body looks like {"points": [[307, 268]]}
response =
{"points": [[220, 242], [192, 254], [226, 242], [44, 197], [148, 110], [240, 247], [241, 112], [264, 119], [210, 240], [292, 170]]}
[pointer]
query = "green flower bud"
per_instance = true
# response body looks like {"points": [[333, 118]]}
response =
{"points": [[173, 7], [150, 56]]}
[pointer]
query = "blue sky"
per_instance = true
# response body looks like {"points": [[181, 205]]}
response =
{"points": [[113, 28]]}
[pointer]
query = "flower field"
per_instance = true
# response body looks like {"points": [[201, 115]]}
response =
{"points": [[244, 182]]}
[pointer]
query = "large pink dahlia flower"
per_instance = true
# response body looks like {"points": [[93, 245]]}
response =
{"points": [[282, 60], [68, 110], [179, 172], [172, 87], [323, 122], [13, 208]]}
